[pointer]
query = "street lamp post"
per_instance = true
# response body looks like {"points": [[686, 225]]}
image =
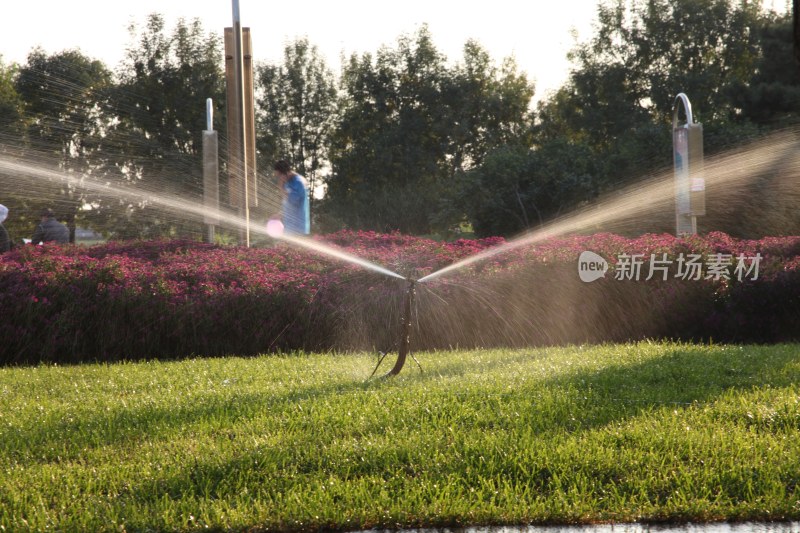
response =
{"points": [[240, 165], [690, 186]]}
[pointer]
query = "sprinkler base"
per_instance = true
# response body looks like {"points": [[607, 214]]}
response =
{"points": [[405, 336]]}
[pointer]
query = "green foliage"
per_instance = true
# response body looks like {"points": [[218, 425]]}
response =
{"points": [[10, 101], [732, 59], [671, 46], [772, 97], [11, 129], [138, 131], [496, 195], [63, 96], [61, 93], [642, 55], [489, 107], [517, 189], [159, 103], [575, 435], [407, 141], [387, 148], [408, 126]]}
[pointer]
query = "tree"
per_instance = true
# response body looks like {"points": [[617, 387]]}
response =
{"points": [[517, 188], [732, 59], [10, 102], [619, 98], [771, 98], [63, 99], [296, 111], [698, 47], [11, 130], [387, 149], [489, 107], [165, 80], [409, 126]]}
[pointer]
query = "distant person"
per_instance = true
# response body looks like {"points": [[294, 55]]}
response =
{"points": [[5, 240], [296, 214], [50, 230]]}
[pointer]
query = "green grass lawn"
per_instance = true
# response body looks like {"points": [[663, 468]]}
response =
{"points": [[640, 432]]}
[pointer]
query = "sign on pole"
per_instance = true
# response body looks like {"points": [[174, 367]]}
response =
{"points": [[210, 173], [690, 184]]}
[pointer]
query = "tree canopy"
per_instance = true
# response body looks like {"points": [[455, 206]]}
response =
{"points": [[409, 125], [404, 138]]}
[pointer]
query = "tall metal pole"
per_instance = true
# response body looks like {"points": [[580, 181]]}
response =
{"points": [[238, 65]]}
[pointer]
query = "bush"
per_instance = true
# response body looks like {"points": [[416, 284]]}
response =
{"points": [[164, 299]]}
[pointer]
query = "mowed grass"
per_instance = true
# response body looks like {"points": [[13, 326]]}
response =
{"points": [[637, 432]]}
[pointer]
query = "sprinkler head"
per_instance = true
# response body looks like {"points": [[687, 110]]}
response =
{"points": [[404, 349]]}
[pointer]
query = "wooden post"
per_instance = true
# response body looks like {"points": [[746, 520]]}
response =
{"points": [[236, 145]]}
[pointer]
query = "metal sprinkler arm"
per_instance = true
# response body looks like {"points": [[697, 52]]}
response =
{"points": [[405, 331]]}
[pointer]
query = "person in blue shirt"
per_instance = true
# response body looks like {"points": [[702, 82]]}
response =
{"points": [[296, 215]]}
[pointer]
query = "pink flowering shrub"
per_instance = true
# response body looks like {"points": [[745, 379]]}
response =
{"points": [[166, 299], [151, 300]]}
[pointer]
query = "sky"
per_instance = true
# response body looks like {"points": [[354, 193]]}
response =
{"points": [[538, 33]]}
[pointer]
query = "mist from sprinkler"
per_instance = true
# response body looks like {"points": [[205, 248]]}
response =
{"points": [[276, 230]]}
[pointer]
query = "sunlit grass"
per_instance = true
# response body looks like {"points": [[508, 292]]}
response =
{"points": [[646, 432]]}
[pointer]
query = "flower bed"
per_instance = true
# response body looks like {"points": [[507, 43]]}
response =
{"points": [[178, 298]]}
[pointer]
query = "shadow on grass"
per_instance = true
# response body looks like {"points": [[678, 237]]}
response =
{"points": [[63, 439]]}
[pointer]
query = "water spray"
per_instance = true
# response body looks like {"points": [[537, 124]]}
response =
{"points": [[275, 229], [404, 347]]}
